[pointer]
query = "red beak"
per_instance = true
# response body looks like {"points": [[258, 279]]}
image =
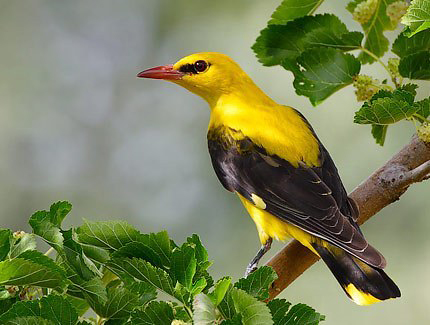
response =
{"points": [[165, 72]]}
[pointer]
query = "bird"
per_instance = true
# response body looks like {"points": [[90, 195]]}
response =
{"points": [[271, 158]]}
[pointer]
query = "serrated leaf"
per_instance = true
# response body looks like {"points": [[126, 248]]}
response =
{"points": [[155, 313], [404, 46], [416, 66], [278, 309], [253, 312], [417, 16], [383, 111], [374, 29], [20, 271], [43, 227], [292, 9], [198, 286], [201, 253], [204, 312], [143, 271], [25, 243], [184, 265], [283, 44], [220, 290], [301, 314], [40, 258], [379, 132], [257, 283], [76, 259], [53, 308], [110, 235], [5, 243], [324, 71]]}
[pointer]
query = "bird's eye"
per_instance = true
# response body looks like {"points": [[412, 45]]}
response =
{"points": [[200, 66]]}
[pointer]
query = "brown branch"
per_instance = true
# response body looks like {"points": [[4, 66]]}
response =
{"points": [[383, 187]]}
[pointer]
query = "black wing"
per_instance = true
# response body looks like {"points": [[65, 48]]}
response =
{"points": [[312, 199]]}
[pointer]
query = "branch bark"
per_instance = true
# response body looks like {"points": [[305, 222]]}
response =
{"points": [[383, 187]]}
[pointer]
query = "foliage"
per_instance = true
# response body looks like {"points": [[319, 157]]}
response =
{"points": [[114, 272], [313, 47]]}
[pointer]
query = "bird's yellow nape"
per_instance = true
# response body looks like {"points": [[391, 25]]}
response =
{"points": [[207, 74]]}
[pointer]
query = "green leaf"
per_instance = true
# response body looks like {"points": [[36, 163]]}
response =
{"points": [[220, 290], [198, 286], [292, 9], [283, 44], [418, 16], [257, 283], [204, 312], [143, 271], [80, 305], [374, 29], [144, 290], [76, 259], [253, 312], [324, 71], [120, 303], [379, 132], [30, 320], [201, 252], [383, 111], [93, 290], [278, 309], [404, 46], [155, 313], [416, 66], [110, 235], [226, 306], [184, 265], [52, 308], [25, 243], [301, 314], [423, 107], [42, 259], [5, 241], [20, 271]]}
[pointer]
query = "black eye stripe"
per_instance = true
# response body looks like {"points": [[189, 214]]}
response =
{"points": [[191, 68]]}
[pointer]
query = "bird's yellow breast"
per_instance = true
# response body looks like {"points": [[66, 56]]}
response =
{"points": [[278, 129]]}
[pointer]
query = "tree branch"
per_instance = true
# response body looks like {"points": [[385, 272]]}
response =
{"points": [[383, 187]]}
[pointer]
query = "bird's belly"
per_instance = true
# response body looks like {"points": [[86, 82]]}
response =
{"points": [[269, 226]]}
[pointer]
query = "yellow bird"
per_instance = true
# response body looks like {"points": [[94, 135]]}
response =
{"points": [[269, 155]]}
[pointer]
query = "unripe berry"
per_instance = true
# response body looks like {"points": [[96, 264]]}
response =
{"points": [[396, 10], [364, 11], [424, 132]]}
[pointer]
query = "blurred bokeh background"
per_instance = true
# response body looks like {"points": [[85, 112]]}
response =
{"points": [[77, 124]]}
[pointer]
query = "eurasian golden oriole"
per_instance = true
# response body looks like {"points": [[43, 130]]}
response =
{"points": [[270, 156]]}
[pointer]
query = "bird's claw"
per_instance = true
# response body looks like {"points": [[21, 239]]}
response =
{"points": [[250, 268]]}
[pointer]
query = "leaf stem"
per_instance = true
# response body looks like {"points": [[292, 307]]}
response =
{"points": [[315, 8], [373, 55]]}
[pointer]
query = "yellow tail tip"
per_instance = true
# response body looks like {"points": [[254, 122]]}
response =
{"points": [[359, 297]]}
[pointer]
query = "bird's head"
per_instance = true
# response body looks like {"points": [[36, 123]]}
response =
{"points": [[208, 74]]}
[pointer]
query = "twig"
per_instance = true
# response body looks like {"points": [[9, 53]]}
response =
{"points": [[383, 187]]}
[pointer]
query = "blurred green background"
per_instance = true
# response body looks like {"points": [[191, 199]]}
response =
{"points": [[77, 124]]}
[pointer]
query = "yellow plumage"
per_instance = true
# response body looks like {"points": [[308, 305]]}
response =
{"points": [[255, 142]]}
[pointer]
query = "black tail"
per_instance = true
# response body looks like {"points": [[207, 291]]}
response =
{"points": [[363, 283]]}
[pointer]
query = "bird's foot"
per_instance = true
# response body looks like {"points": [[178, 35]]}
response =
{"points": [[250, 268]]}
